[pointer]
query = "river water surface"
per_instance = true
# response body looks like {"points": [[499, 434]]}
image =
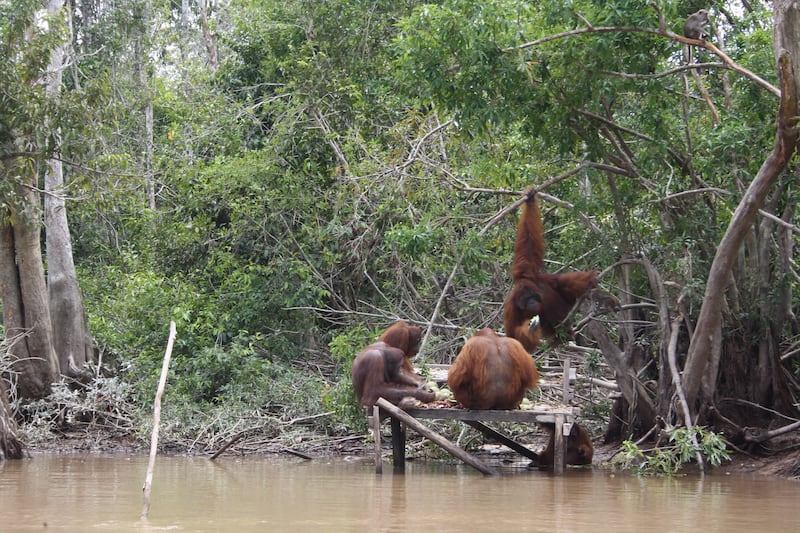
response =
{"points": [[91, 493]]}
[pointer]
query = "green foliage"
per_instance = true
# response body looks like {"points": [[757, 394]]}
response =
{"points": [[341, 397], [669, 460], [25, 46], [456, 48], [218, 374], [413, 241]]}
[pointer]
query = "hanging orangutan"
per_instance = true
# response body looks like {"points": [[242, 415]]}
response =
{"points": [[538, 301]]}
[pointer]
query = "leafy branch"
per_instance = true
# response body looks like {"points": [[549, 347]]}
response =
{"points": [[662, 31]]}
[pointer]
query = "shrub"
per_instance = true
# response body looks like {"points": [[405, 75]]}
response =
{"points": [[669, 460]]}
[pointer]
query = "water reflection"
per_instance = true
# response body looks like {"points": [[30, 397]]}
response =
{"points": [[103, 493]]}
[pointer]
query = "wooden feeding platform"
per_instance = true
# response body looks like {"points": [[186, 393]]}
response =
{"points": [[561, 417]]}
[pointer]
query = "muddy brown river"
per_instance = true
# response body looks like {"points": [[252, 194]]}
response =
{"points": [[91, 493]]}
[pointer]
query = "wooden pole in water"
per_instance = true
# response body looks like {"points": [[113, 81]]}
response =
{"points": [[376, 433], [560, 443], [162, 382]]}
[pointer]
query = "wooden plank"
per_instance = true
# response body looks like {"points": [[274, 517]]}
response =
{"points": [[562, 419], [515, 415], [502, 439], [434, 437]]}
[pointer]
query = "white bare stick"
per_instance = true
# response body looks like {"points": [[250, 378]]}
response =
{"points": [[162, 382]]}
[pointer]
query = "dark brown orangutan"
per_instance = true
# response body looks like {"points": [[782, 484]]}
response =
{"points": [[579, 447], [538, 301], [405, 337], [492, 372], [379, 370]]}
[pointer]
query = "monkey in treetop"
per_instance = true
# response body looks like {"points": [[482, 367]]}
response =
{"points": [[695, 28]]}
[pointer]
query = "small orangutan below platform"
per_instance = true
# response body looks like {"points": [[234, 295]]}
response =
{"points": [[579, 447], [492, 372]]}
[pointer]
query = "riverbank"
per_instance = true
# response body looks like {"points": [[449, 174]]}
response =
{"points": [[780, 463]]}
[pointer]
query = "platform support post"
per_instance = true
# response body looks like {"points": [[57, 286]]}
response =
{"points": [[398, 445], [376, 434], [560, 444], [434, 437]]}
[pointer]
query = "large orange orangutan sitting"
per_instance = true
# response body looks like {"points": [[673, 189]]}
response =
{"points": [[491, 372], [539, 301], [383, 369]]}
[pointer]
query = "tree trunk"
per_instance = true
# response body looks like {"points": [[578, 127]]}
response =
{"points": [[704, 358], [142, 76], [209, 38], [10, 445], [638, 413], [26, 314], [70, 333], [71, 337]]}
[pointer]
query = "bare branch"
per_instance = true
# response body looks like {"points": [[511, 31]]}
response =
{"points": [[663, 32], [702, 190], [665, 73], [584, 31], [761, 437]]}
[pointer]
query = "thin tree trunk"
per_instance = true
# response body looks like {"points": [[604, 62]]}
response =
{"points": [[185, 17], [209, 38], [142, 71], [641, 413], [70, 332]]}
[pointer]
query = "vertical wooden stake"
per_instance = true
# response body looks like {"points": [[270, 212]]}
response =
{"points": [[560, 445], [566, 393], [398, 445], [376, 433], [162, 382]]}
